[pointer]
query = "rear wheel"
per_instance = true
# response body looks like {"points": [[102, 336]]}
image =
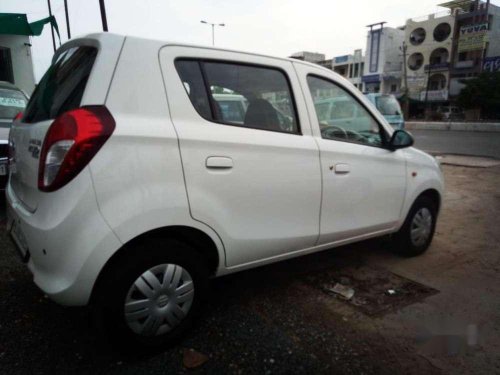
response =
{"points": [[415, 236], [150, 296]]}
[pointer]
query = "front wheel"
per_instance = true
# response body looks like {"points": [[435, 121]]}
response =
{"points": [[417, 232], [150, 296]]}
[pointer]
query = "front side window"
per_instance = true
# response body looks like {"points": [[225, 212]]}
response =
{"points": [[242, 95], [346, 120]]}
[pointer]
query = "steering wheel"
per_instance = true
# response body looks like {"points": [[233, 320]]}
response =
{"points": [[358, 136], [331, 131]]}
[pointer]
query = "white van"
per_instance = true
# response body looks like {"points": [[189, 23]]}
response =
{"points": [[129, 188]]}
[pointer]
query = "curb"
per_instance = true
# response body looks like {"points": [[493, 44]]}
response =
{"points": [[454, 126]]}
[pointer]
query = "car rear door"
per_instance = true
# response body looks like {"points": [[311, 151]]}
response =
{"points": [[364, 183], [80, 75], [256, 182]]}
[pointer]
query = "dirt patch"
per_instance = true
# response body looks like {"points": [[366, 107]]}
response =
{"points": [[376, 290]]}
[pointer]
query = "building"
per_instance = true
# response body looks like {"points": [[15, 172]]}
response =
{"points": [[383, 68], [16, 64], [476, 41], [313, 57], [429, 42], [350, 67]]}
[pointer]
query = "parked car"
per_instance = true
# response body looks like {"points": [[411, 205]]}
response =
{"points": [[390, 108], [129, 189], [450, 113], [12, 101]]}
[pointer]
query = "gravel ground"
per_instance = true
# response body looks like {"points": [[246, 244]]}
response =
{"points": [[278, 319]]}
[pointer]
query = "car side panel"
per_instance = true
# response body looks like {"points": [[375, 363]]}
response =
{"points": [[137, 175]]}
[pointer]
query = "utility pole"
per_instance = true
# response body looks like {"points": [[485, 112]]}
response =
{"points": [[213, 29], [427, 91], [406, 107], [51, 27], [103, 16], [67, 18]]}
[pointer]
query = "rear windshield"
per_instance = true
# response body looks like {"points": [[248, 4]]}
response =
{"points": [[11, 103], [62, 87]]}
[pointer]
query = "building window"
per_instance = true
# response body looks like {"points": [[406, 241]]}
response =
{"points": [[417, 36], [462, 56], [356, 70], [415, 61], [394, 88], [442, 32], [437, 82], [439, 56]]}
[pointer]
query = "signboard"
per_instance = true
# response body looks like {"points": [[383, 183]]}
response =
{"points": [[472, 37], [415, 86], [434, 96], [374, 78], [374, 50], [491, 64]]}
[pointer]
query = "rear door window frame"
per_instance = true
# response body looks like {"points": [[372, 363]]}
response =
{"points": [[211, 100]]}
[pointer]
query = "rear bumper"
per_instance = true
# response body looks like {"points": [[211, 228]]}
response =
{"points": [[67, 246]]}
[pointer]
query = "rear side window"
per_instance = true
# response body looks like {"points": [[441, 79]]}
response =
{"points": [[62, 87], [241, 95]]}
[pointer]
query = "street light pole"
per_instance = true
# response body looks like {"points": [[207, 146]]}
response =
{"points": [[67, 18], [427, 91], [51, 27], [103, 16], [213, 29], [404, 49]]}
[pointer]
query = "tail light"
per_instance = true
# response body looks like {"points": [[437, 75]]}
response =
{"points": [[18, 116], [71, 142]]}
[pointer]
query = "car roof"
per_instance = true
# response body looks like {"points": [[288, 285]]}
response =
{"points": [[162, 43]]}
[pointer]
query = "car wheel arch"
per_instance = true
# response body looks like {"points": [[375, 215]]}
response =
{"points": [[434, 195], [201, 242]]}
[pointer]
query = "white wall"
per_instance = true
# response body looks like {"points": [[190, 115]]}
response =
{"points": [[22, 64]]}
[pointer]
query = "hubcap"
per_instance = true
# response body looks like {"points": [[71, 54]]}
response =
{"points": [[421, 227], [159, 300]]}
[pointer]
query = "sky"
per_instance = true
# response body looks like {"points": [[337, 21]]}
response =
{"points": [[272, 27]]}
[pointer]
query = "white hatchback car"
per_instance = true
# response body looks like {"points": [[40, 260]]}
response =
{"points": [[129, 189]]}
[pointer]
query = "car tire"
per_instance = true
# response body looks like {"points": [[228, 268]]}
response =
{"points": [[141, 300], [417, 232]]}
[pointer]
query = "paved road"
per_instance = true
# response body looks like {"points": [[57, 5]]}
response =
{"points": [[458, 142]]}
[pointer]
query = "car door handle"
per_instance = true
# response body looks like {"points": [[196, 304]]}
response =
{"points": [[341, 168], [219, 162]]}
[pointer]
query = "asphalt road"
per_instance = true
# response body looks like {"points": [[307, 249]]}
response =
{"points": [[458, 142]]}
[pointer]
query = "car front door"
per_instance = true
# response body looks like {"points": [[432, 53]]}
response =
{"points": [[364, 183], [256, 182]]}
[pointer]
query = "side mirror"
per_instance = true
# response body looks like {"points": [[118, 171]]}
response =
{"points": [[401, 139]]}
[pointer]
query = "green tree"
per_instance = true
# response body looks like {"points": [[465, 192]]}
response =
{"points": [[482, 93]]}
